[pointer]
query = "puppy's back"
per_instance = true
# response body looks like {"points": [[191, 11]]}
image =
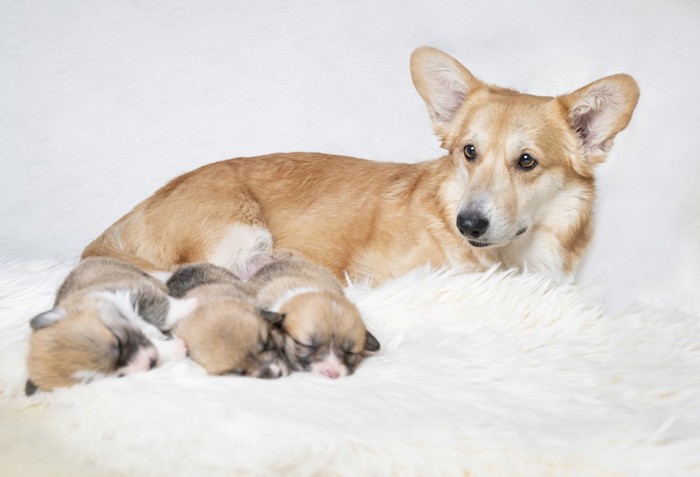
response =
{"points": [[93, 272], [191, 276], [283, 275]]}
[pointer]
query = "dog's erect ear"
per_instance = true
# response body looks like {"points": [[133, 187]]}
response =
{"points": [[272, 317], [371, 343], [30, 388], [597, 112], [48, 318], [442, 82]]}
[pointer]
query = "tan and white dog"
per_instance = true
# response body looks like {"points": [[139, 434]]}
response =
{"points": [[516, 188]]}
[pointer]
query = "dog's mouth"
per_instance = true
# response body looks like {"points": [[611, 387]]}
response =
{"points": [[478, 244]]}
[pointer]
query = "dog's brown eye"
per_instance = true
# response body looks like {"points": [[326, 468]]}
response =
{"points": [[470, 152], [526, 162]]}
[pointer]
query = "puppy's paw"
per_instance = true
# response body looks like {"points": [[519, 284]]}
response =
{"points": [[179, 308], [171, 350]]}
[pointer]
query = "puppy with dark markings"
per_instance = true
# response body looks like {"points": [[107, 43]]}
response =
{"points": [[226, 333], [323, 330], [108, 319]]}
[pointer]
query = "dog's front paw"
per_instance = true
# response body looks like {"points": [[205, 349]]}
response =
{"points": [[171, 350]]}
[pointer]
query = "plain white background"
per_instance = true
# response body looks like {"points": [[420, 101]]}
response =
{"points": [[102, 102]]}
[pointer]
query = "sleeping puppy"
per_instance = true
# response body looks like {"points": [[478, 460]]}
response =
{"points": [[108, 319], [226, 333], [323, 330]]}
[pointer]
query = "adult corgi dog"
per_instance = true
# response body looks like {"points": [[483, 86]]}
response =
{"points": [[516, 188]]}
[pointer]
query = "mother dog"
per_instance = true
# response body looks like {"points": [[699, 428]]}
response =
{"points": [[517, 188]]}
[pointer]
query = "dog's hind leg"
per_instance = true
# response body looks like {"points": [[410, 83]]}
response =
{"points": [[244, 249], [245, 244]]}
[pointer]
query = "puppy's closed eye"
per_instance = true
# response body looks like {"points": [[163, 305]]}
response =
{"points": [[236, 371], [117, 350], [311, 344], [350, 352], [265, 345]]}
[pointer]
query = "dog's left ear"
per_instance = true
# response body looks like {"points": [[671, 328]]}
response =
{"points": [[597, 112], [272, 317], [48, 318], [30, 388], [443, 83], [371, 343]]}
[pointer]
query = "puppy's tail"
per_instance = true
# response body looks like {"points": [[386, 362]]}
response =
{"points": [[108, 245]]}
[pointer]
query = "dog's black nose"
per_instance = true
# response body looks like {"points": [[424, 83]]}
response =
{"points": [[472, 225]]}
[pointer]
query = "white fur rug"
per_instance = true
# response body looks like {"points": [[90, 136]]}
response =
{"points": [[491, 375]]}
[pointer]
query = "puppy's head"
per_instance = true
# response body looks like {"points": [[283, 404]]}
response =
{"points": [[324, 333], [228, 336], [83, 340], [520, 160]]}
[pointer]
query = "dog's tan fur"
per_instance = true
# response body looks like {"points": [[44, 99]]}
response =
{"points": [[382, 219]]}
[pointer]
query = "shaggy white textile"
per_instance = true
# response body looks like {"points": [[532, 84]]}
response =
{"points": [[494, 374]]}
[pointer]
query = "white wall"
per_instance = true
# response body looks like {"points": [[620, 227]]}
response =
{"points": [[102, 102]]}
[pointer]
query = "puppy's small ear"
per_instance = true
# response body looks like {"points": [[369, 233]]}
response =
{"points": [[272, 317], [597, 112], [371, 343], [30, 388], [48, 318]]}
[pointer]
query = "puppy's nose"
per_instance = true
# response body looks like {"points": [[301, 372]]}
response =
{"points": [[471, 224], [276, 370], [331, 373], [152, 363]]}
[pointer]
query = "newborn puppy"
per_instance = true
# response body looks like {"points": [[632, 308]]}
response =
{"points": [[108, 319], [226, 334], [324, 332]]}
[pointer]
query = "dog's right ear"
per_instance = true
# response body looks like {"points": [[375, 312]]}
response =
{"points": [[443, 83], [48, 318]]}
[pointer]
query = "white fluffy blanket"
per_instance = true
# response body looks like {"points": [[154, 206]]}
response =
{"points": [[478, 375]]}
